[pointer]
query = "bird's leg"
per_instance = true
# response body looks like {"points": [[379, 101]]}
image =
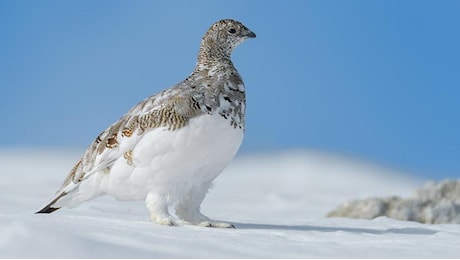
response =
{"points": [[158, 209], [189, 209]]}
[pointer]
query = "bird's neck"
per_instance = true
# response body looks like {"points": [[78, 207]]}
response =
{"points": [[211, 53], [209, 66], [213, 65]]}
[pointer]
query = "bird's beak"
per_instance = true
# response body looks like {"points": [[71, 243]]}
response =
{"points": [[250, 34]]}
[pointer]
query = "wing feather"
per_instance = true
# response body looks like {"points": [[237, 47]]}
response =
{"points": [[162, 110]]}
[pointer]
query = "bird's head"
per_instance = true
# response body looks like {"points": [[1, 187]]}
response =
{"points": [[222, 38]]}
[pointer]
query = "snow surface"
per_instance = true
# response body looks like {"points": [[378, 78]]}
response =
{"points": [[277, 202]]}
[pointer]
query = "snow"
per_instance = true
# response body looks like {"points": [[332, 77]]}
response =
{"points": [[277, 202]]}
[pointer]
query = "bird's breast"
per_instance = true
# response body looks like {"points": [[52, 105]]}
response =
{"points": [[172, 161]]}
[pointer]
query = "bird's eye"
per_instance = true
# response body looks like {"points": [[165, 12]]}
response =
{"points": [[232, 31]]}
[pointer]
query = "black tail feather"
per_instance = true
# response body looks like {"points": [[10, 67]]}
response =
{"points": [[49, 208], [46, 210]]}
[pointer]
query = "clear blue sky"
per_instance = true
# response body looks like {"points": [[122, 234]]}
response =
{"points": [[377, 80]]}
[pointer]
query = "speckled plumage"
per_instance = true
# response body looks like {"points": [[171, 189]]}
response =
{"points": [[203, 113]]}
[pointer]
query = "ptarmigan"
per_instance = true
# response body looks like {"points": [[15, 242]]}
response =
{"points": [[168, 149]]}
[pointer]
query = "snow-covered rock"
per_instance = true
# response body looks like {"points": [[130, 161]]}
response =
{"points": [[434, 203]]}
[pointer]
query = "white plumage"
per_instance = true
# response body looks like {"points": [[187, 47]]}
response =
{"points": [[169, 148]]}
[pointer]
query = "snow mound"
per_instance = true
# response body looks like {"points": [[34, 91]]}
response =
{"points": [[434, 203]]}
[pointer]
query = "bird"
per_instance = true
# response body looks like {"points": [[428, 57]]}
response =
{"points": [[169, 148]]}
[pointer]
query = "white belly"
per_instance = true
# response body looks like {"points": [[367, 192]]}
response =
{"points": [[171, 163]]}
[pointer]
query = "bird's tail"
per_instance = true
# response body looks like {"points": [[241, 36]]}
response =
{"points": [[49, 208]]}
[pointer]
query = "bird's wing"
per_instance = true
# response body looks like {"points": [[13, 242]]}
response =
{"points": [[168, 109]]}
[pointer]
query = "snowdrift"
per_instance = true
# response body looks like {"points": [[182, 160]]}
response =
{"points": [[278, 203]]}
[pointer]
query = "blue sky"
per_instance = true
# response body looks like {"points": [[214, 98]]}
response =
{"points": [[376, 80]]}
